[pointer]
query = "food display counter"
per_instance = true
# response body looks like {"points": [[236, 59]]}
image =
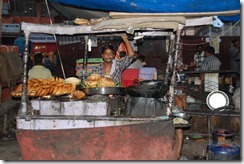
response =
{"points": [[95, 127]]}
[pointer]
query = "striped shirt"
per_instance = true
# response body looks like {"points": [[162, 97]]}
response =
{"points": [[198, 59], [210, 63], [120, 66]]}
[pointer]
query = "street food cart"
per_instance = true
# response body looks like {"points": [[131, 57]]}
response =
{"points": [[94, 128]]}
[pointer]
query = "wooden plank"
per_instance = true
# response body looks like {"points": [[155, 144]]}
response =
{"points": [[116, 15]]}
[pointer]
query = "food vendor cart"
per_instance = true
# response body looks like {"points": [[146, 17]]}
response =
{"points": [[85, 129]]}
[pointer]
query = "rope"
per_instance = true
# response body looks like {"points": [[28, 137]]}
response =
{"points": [[55, 38]]}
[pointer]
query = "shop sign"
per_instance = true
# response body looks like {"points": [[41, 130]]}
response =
{"points": [[11, 28], [42, 38]]}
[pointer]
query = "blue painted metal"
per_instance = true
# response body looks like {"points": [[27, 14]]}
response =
{"points": [[159, 6]]}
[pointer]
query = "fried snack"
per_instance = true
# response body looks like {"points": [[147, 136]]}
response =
{"points": [[60, 80], [29, 83], [78, 94], [106, 82], [94, 77], [36, 84], [34, 80], [91, 83], [53, 82], [92, 80], [44, 87], [81, 21], [59, 91], [16, 93], [31, 93], [73, 88], [19, 87]]}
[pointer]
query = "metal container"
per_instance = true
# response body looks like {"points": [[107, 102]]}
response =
{"points": [[104, 91], [97, 138], [223, 146], [148, 88], [182, 115]]}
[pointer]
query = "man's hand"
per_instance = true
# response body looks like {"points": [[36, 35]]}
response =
{"points": [[130, 51], [124, 37]]}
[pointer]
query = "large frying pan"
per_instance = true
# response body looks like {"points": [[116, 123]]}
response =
{"points": [[148, 88]]}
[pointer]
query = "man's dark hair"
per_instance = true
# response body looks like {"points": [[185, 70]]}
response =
{"points": [[142, 57], [38, 57], [199, 45], [210, 50], [122, 54], [109, 46]]}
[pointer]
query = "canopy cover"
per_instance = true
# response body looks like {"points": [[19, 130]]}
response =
{"points": [[160, 6]]}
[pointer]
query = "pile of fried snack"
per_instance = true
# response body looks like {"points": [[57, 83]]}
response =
{"points": [[38, 87], [95, 80]]}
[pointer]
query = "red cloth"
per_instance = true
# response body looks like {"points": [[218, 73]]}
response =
{"points": [[129, 76], [122, 47]]}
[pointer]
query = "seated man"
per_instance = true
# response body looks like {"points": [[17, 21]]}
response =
{"points": [[38, 70]]}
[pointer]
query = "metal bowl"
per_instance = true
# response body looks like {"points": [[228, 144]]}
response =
{"points": [[182, 115]]}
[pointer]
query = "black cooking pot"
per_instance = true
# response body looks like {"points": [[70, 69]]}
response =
{"points": [[147, 88]]}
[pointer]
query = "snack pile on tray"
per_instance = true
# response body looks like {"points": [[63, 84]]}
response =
{"points": [[73, 80], [95, 80], [44, 87]]}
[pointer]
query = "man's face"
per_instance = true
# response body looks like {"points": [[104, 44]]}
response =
{"points": [[108, 56]]}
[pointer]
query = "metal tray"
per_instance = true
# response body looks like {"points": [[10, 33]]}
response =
{"points": [[104, 91], [65, 97], [217, 99]]}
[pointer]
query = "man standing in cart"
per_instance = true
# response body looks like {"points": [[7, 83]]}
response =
{"points": [[114, 68]]}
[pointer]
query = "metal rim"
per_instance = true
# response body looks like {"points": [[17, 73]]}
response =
{"points": [[217, 99]]}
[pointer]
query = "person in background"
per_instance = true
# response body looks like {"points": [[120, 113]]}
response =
{"points": [[20, 42], [38, 70], [138, 63], [142, 58], [49, 62], [181, 65], [198, 58], [109, 68], [210, 63], [234, 55]]}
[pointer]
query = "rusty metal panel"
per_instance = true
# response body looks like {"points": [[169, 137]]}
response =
{"points": [[51, 107], [144, 141]]}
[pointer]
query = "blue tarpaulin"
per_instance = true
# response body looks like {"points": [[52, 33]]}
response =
{"points": [[159, 6]]}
